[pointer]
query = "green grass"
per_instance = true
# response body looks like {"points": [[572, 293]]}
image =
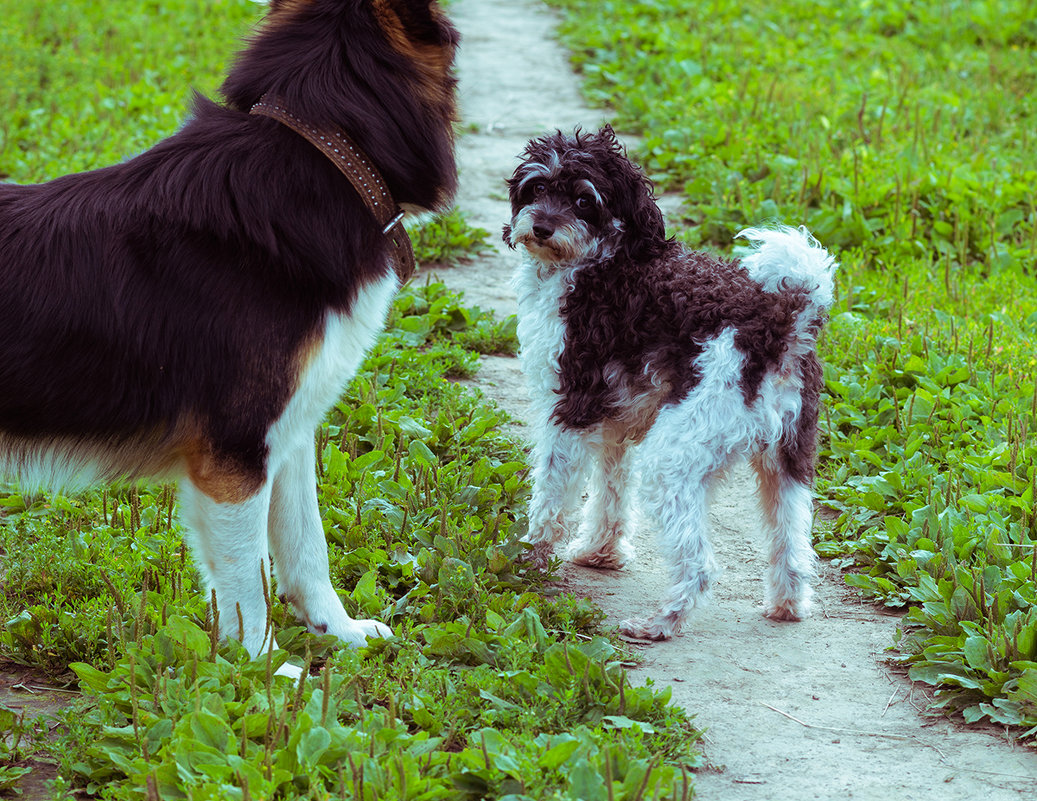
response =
{"points": [[492, 687], [903, 137], [83, 85], [902, 132]]}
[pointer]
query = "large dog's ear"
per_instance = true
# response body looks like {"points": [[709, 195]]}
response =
{"points": [[422, 19], [413, 10]]}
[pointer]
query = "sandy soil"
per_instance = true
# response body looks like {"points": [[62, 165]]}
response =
{"points": [[792, 711]]}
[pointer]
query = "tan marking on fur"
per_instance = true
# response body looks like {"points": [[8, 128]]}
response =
{"points": [[218, 476], [634, 424], [78, 463], [433, 63], [309, 350], [214, 474], [638, 406]]}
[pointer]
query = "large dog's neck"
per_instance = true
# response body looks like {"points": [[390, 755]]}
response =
{"points": [[350, 160], [357, 79]]}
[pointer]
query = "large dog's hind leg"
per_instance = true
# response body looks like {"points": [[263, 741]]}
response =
{"points": [[300, 553]]}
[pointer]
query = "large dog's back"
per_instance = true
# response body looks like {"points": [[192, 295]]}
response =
{"points": [[140, 320]]}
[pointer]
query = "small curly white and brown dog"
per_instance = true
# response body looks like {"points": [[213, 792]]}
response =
{"points": [[628, 338]]}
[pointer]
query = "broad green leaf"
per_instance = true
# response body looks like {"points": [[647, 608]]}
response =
{"points": [[312, 746]]}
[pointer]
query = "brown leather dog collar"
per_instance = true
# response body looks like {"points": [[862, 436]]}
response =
{"points": [[362, 174]]}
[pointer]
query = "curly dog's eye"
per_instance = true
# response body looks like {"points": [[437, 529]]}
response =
{"points": [[539, 188], [584, 202]]}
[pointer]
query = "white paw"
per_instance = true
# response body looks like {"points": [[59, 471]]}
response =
{"points": [[788, 601], [547, 533], [541, 553], [660, 627], [355, 633], [788, 612], [607, 558], [323, 613], [289, 670]]}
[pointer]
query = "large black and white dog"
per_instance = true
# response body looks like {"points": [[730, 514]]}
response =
{"points": [[628, 338], [195, 311]]}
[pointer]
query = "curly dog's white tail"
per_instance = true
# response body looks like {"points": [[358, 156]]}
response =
{"points": [[785, 257]]}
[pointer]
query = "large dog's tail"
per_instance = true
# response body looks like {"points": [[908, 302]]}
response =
{"points": [[783, 258]]}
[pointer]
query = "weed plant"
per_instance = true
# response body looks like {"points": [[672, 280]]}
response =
{"points": [[491, 687], [903, 137]]}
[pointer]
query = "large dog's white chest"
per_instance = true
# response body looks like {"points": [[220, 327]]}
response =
{"points": [[345, 341]]}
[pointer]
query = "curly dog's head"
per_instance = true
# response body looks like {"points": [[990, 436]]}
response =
{"points": [[578, 199]]}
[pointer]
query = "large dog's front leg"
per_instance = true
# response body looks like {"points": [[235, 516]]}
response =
{"points": [[231, 547], [679, 469], [301, 553]]}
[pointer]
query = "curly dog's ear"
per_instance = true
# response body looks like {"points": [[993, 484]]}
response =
{"points": [[607, 136], [632, 198]]}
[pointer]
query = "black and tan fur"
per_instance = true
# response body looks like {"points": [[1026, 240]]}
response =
{"points": [[181, 314]]}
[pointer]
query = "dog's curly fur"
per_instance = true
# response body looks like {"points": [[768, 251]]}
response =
{"points": [[629, 338], [193, 312]]}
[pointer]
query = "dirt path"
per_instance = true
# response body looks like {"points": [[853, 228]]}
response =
{"points": [[863, 732]]}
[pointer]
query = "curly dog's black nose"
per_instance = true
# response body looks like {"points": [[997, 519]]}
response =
{"points": [[542, 232]]}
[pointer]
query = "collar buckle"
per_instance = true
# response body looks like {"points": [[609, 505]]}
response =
{"points": [[396, 220]]}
